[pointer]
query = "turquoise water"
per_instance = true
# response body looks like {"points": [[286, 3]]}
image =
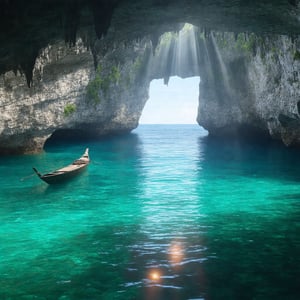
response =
{"points": [[162, 213]]}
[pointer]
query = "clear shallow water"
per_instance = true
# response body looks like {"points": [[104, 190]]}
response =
{"points": [[163, 213]]}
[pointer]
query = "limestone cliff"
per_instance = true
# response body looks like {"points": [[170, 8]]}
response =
{"points": [[30, 115], [85, 66], [251, 86], [68, 93]]}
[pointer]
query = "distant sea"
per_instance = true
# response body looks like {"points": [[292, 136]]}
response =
{"points": [[165, 212]]}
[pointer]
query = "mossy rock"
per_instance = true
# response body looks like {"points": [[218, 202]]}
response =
{"points": [[69, 109], [297, 55]]}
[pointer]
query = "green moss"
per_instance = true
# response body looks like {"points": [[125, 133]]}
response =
{"points": [[102, 83], [166, 38], [140, 66], [297, 55], [273, 50], [221, 41], [93, 89], [246, 43], [69, 109], [115, 74], [134, 71], [137, 64]]}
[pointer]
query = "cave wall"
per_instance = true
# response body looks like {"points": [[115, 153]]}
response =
{"points": [[30, 115], [250, 86], [67, 92], [87, 65]]}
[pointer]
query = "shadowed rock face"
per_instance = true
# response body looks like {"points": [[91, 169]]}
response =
{"points": [[87, 65], [254, 85], [28, 26]]}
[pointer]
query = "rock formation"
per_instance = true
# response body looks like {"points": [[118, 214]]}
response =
{"points": [[86, 66], [251, 86], [67, 93]]}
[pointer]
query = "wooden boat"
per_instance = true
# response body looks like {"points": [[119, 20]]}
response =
{"points": [[67, 172]]}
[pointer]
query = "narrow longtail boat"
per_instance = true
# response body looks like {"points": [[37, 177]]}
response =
{"points": [[67, 172]]}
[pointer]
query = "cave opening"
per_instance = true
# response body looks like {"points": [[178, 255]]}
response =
{"points": [[174, 103], [174, 70]]}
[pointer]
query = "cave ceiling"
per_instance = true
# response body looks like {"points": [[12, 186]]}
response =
{"points": [[27, 26]]}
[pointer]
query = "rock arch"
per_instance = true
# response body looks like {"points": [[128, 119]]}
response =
{"points": [[101, 84]]}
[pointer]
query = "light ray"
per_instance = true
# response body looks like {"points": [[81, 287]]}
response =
{"points": [[223, 70], [177, 53]]}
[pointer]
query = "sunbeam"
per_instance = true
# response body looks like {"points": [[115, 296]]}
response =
{"points": [[223, 68], [186, 56], [177, 53], [176, 56]]}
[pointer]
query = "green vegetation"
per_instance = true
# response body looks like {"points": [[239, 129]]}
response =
{"points": [[140, 66], [137, 64], [246, 43], [138, 69], [167, 38], [132, 74], [115, 74], [101, 83], [273, 50], [297, 55], [69, 109], [249, 45], [94, 86], [242, 42]]}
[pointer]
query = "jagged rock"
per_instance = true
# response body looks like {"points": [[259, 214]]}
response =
{"points": [[65, 94], [254, 81], [86, 67]]}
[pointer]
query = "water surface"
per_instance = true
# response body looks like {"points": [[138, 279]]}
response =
{"points": [[162, 213]]}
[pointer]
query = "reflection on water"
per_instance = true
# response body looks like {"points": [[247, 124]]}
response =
{"points": [[176, 253], [164, 213]]}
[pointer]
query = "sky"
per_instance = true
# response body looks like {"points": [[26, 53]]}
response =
{"points": [[175, 103]]}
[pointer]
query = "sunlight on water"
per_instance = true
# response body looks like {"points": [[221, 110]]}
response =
{"points": [[162, 213]]}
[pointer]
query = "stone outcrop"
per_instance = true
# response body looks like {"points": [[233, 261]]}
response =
{"points": [[67, 93], [85, 66], [251, 86], [30, 115]]}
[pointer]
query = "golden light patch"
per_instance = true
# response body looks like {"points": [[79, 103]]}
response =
{"points": [[176, 253], [155, 275]]}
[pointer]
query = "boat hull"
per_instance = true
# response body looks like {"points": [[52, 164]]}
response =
{"points": [[68, 172], [61, 178]]}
